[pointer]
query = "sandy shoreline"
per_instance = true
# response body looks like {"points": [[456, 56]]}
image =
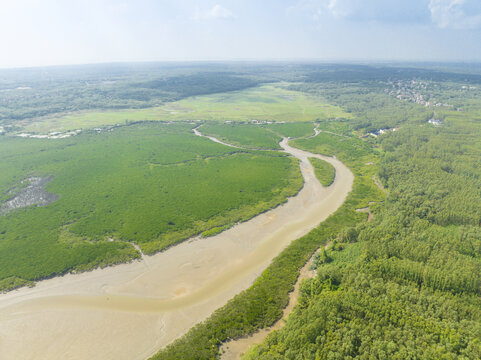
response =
{"points": [[234, 349], [132, 310]]}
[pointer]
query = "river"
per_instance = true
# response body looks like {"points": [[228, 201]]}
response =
{"points": [[132, 310]]}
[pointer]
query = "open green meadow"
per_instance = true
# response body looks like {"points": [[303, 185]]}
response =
{"points": [[291, 129], [257, 136], [152, 184], [264, 103], [245, 135]]}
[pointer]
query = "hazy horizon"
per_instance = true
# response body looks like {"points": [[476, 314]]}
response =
{"points": [[52, 32]]}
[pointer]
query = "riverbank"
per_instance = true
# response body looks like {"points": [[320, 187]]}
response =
{"points": [[131, 310], [234, 349]]}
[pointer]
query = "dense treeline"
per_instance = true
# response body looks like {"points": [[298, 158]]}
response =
{"points": [[368, 73], [199, 84], [405, 285], [57, 90], [367, 317], [430, 232], [371, 107]]}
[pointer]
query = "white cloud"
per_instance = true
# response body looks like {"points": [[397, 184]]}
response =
{"points": [[382, 11], [336, 7], [318, 8], [456, 14], [216, 12]]}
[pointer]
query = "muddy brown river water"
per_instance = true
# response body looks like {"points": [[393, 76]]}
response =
{"points": [[130, 311]]}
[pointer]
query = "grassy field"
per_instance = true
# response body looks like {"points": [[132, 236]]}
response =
{"points": [[324, 171], [331, 144], [255, 136], [148, 183], [245, 135], [264, 103], [292, 130]]}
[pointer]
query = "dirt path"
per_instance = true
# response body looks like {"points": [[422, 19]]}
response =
{"points": [[198, 133], [333, 133], [368, 211], [130, 311], [234, 349], [378, 184]]}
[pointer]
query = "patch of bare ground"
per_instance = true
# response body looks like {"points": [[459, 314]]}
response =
{"points": [[32, 192], [378, 184]]}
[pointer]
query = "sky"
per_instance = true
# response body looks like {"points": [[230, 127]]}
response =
{"points": [[57, 32]]}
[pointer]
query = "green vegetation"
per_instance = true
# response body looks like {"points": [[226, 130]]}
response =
{"points": [[405, 285], [215, 230], [28, 93], [368, 105], [292, 130], [433, 176], [257, 136], [264, 103], [349, 315], [149, 183], [330, 144], [324, 171], [245, 135], [340, 127], [261, 305]]}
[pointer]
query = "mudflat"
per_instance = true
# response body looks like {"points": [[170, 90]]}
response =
{"points": [[132, 310]]}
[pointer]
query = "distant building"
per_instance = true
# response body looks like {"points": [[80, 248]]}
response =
{"points": [[435, 122], [382, 131]]}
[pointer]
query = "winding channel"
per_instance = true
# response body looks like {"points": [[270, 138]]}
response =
{"points": [[132, 310]]}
